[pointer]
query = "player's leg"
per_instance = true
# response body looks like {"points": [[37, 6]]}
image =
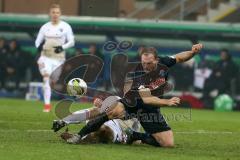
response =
{"points": [[45, 70], [159, 139], [103, 135], [86, 114], [81, 115], [116, 111], [75, 118], [46, 93], [158, 132], [144, 137], [165, 139]]}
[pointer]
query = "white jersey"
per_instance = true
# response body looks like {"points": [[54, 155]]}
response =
{"points": [[60, 34], [119, 128], [118, 134]]}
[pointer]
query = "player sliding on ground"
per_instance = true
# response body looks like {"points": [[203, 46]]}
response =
{"points": [[112, 131], [148, 101], [53, 38], [83, 115]]}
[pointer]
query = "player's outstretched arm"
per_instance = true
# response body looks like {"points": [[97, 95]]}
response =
{"points": [[186, 55], [155, 101], [147, 98]]}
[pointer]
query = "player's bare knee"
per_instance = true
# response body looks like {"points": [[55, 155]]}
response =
{"points": [[165, 139], [167, 143]]}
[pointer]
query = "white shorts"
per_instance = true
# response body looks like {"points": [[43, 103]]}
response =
{"points": [[48, 65]]}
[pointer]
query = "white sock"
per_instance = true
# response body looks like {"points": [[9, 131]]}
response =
{"points": [[46, 90], [77, 117]]}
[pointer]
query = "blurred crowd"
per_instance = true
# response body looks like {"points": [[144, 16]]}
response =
{"points": [[207, 77], [17, 65], [14, 64]]}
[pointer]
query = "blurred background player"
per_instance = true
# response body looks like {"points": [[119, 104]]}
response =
{"points": [[53, 38]]}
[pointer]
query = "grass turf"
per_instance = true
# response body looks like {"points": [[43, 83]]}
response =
{"points": [[199, 134]]}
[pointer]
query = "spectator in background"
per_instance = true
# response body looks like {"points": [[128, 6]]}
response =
{"points": [[79, 52], [16, 63], [201, 73], [93, 50], [224, 71], [3, 54], [183, 75], [122, 14]]}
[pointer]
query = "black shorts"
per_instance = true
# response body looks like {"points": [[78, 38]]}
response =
{"points": [[149, 116]]}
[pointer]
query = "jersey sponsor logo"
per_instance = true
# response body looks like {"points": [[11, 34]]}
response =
{"points": [[158, 82]]}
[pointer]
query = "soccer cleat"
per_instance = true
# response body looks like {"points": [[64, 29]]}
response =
{"points": [[57, 125], [47, 108], [75, 139]]}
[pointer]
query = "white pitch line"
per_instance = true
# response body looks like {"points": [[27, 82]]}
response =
{"points": [[29, 130], [177, 132], [40, 130], [22, 122], [204, 132]]}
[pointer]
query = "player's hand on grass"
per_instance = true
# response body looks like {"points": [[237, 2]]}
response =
{"points": [[97, 102], [197, 48], [58, 49], [174, 101]]}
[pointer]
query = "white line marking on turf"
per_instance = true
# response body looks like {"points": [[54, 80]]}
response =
{"points": [[23, 122], [29, 130], [204, 132], [177, 132], [40, 130]]}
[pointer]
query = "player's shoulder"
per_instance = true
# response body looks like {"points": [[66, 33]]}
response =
{"points": [[167, 60], [65, 24], [162, 58], [45, 25]]}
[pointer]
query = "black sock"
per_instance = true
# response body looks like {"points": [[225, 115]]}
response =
{"points": [[145, 138], [94, 124]]}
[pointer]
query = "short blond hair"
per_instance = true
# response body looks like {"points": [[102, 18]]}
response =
{"points": [[55, 6]]}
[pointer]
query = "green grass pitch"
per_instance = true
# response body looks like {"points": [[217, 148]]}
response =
{"points": [[200, 134]]}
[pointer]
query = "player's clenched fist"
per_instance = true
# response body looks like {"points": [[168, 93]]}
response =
{"points": [[197, 47], [174, 101]]}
